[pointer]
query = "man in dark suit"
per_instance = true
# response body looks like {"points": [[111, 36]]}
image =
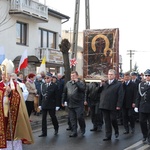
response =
{"points": [[143, 106], [134, 79], [48, 104], [111, 100], [92, 97], [128, 113]]}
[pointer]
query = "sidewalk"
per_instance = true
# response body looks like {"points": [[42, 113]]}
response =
{"points": [[36, 121]]}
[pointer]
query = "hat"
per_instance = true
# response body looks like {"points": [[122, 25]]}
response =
{"points": [[9, 66], [54, 77], [38, 76], [49, 74], [147, 72], [133, 73], [127, 73], [31, 75]]}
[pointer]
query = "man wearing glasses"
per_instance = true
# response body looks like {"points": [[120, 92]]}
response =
{"points": [[143, 106], [48, 104]]}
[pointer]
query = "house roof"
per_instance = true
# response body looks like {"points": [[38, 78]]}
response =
{"points": [[57, 14]]}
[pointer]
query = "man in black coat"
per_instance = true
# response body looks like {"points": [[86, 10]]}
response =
{"points": [[48, 104], [74, 92], [134, 79], [143, 106], [111, 100], [130, 93], [92, 97]]}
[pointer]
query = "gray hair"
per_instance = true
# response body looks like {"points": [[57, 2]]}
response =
{"points": [[14, 75], [112, 71]]}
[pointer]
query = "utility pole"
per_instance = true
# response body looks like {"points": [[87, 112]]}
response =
{"points": [[87, 14], [76, 24], [75, 30], [131, 53]]}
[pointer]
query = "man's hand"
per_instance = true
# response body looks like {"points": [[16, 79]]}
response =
{"points": [[117, 108], [133, 105], [85, 103], [76, 80]]}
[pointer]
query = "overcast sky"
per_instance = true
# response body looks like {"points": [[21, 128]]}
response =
{"points": [[132, 17]]}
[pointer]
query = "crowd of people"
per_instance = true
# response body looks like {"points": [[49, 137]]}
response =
{"points": [[128, 97], [22, 95]]}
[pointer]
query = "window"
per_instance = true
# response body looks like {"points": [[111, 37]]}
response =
{"points": [[21, 33], [47, 39]]}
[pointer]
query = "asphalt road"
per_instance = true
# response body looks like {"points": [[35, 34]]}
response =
{"points": [[91, 140]]}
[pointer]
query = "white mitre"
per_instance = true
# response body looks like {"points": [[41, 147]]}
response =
{"points": [[9, 65], [9, 68]]}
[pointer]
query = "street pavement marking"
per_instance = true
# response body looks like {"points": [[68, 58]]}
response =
{"points": [[142, 147]]}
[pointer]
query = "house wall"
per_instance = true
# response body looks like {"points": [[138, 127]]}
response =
{"points": [[8, 32]]}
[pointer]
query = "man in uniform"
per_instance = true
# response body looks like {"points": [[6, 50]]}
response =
{"points": [[48, 104], [143, 106], [14, 121]]}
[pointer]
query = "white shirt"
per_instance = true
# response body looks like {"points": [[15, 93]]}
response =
{"points": [[24, 90], [110, 81]]}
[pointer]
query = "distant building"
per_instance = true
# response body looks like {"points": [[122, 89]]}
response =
{"points": [[28, 24]]}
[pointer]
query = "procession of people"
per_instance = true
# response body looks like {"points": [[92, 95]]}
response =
{"points": [[41, 94]]}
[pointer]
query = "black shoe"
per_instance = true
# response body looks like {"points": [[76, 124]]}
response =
{"points": [[94, 129], [144, 140], [38, 114], [82, 132], [56, 132], [116, 135], [99, 129], [107, 139], [126, 132], [73, 135], [68, 129], [132, 130], [148, 141], [42, 135]]}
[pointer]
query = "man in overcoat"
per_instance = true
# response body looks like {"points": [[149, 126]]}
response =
{"points": [[111, 100], [130, 93]]}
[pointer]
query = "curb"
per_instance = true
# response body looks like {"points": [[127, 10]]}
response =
{"points": [[36, 123]]}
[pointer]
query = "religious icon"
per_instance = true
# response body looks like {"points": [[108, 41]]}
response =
{"points": [[101, 51]]}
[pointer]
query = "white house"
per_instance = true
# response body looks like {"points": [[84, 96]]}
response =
{"points": [[28, 24]]}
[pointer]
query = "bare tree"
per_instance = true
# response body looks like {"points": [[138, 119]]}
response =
{"points": [[64, 48]]}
